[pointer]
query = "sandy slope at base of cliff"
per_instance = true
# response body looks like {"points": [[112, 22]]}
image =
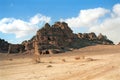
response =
{"points": [[101, 62]]}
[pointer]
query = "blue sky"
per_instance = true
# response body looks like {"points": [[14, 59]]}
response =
{"points": [[26, 12], [56, 9]]}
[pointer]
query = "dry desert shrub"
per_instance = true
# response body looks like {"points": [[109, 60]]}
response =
{"points": [[63, 60], [79, 57], [49, 66], [50, 62], [10, 59]]}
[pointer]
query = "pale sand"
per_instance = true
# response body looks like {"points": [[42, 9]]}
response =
{"points": [[105, 65]]}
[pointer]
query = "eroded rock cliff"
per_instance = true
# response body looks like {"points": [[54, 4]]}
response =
{"points": [[56, 38]]}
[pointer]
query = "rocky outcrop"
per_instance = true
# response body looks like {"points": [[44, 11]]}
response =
{"points": [[3, 45], [102, 37], [90, 36], [28, 45], [6, 47], [16, 48], [59, 38]]}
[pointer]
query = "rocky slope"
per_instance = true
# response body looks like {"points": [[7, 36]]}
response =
{"points": [[3, 45], [58, 38], [6, 47]]}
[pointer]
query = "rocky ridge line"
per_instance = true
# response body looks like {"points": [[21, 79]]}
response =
{"points": [[56, 38]]}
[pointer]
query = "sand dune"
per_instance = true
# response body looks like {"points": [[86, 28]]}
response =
{"points": [[102, 62]]}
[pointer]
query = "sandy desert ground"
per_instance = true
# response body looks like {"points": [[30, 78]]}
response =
{"points": [[102, 62]]}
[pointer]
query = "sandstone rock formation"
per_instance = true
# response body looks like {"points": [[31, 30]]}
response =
{"points": [[6, 47], [15, 48], [59, 38], [36, 50], [28, 46], [3, 45], [90, 36]]}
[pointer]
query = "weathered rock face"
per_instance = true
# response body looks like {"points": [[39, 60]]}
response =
{"points": [[90, 36], [6, 47], [102, 37], [58, 38], [28, 45], [16, 48], [3, 45]]}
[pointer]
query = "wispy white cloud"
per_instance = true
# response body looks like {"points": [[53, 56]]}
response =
{"points": [[39, 19], [15, 26], [22, 28], [116, 10], [110, 26], [94, 21], [86, 17]]}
